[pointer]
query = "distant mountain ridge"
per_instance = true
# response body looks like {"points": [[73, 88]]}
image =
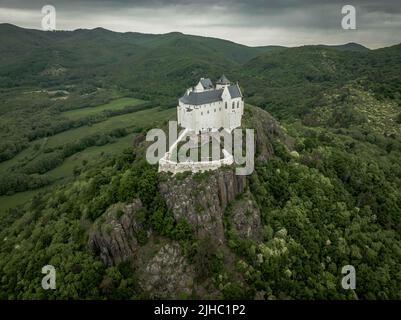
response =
{"points": [[151, 40], [161, 65], [351, 46]]}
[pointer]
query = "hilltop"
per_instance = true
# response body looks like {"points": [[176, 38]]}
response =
{"points": [[76, 192]]}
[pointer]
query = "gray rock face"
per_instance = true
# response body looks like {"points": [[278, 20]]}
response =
{"points": [[167, 275], [245, 218], [267, 130], [113, 236], [201, 202]]}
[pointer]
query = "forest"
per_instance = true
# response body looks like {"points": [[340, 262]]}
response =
{"points": [[72, 149]]}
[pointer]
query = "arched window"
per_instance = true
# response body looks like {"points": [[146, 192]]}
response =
{"points": [[233, 105], [226, 104], [237, 104]]}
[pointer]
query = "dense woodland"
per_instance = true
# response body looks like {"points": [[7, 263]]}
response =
{"points": [[334, 200]]}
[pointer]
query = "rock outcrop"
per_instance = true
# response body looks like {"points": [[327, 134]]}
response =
{"points": [[201, 199], [245, 218], [114, 234], [267, 131], [167, 274]]}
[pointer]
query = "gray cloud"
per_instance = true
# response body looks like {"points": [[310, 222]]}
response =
{"points": [[254, 22]]}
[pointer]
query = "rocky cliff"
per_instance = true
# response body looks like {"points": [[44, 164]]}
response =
{"points": [[216, 204], [267, 132], [167, 273], [201, 199], [114, 234], [244, 217]]}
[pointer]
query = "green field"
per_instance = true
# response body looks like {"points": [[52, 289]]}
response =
{"points": [[12, 201], [92, 154], [140, 119], [143, 118], [117, 104], [21, 157], [66, 169]]}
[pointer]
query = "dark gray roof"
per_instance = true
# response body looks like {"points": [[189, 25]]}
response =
{"points": [[223, 80], [235, 91], [198, 98], [206, 83]]}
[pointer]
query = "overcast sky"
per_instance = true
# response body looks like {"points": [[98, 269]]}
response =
{"points": [[252, 22]]}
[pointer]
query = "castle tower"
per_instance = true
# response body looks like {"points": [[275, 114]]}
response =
{"points": [[222, 82]]}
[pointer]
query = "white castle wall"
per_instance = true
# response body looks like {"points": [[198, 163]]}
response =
{"points": [[225, 114], [200, 166]]}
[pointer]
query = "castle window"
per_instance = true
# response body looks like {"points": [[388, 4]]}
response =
{"points": [[207, 111], [237, 104], [233, 105], [226, 104], [219, 109], [201, 113], [214, 110]]}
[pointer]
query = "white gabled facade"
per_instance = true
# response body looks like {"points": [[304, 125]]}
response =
{"points": [[206, 107]]}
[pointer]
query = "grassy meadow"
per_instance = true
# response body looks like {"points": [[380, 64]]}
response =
{"points": [[135, 121], [117, 104]]}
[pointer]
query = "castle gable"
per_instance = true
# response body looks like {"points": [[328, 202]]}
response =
{"points": [[235, 91], [205, 92], [206, 83]]}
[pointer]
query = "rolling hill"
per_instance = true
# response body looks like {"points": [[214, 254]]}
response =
{"points": [[77, 193]]}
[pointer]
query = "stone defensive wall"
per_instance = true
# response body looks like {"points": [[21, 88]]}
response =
{"points": [[166, 165]]}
